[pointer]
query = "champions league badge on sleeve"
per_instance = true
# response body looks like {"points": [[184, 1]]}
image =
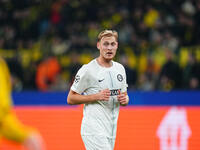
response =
{"points": [[77, 79], [120, 77]]}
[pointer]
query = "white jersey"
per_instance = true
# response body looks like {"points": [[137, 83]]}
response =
{"points": [[100, 117]]}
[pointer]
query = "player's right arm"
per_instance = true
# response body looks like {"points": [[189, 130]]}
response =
{"points": [[76, 98], [82, 82]]}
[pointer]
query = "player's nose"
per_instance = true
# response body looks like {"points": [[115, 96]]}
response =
{"points": [[109, 47]]}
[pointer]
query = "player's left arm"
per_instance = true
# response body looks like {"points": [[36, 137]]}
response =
{"points": [[123, 98]]}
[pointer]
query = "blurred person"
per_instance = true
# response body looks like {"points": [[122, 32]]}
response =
{"points": [[131, 73], [59, 46], [74, 66], [145, 83], [170, 41], [170, 75], [17, 74], [125, 32], [146, 80], [10, 127], [101, 86], [191, 73], [47, 73], [194, 83]]}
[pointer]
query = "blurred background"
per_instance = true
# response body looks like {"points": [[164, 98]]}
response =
{"points": [[45, 42], [158, 41]]}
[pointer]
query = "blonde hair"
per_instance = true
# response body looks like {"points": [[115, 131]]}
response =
{"points": [[107, 33]]}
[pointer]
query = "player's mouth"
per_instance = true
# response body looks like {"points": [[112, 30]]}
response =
{"points": [[109, 53]]}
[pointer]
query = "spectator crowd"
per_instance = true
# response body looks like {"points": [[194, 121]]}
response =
{"points": [[45, 42]]}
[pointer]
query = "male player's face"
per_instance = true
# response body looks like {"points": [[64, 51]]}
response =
{"points": [[107, 47]]}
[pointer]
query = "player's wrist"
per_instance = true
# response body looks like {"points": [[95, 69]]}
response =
{"points": [[95, 97]]}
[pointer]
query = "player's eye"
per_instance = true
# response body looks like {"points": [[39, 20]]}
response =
{"points": [[113, 44], [106, 44]]}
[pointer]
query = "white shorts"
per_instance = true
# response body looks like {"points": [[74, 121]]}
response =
{"points": [[96, 142]]}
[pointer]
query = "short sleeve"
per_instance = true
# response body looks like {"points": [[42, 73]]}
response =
{"points": [[80, 83], [125, 85]]}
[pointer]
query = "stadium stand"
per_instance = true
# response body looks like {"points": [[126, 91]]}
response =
{"points": [[158, 38]]}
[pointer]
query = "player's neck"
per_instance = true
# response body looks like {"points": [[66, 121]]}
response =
{"points": [[104, 63]]}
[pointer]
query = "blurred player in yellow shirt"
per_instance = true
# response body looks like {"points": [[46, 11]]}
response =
{"points": [[10, 126]]}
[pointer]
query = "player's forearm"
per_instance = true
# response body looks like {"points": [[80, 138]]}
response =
{"points": [[75, 98]]}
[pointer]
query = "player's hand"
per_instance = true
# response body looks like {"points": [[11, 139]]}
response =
{"points": [[123, 98], [34, 142], [103, 95]]}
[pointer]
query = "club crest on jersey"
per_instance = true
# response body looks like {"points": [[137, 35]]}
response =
{"points": [[114, 92], [120, 77], [77, 79]]}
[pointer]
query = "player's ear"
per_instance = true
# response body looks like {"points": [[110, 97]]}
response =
{"points": [[98, 45]]}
